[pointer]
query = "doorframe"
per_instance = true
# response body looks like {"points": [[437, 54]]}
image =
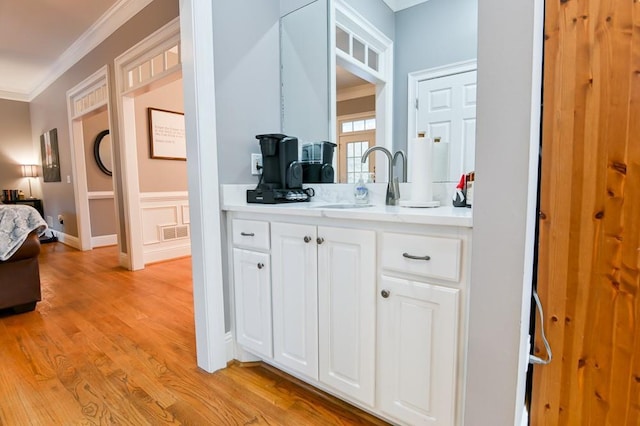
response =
{"points": [[83, 99], [343, 14], [414, 79], [196, 35], [127, 87]]}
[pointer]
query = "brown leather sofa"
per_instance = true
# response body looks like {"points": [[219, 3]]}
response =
{"points": [[20, 277]]}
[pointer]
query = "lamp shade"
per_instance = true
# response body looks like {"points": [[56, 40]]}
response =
{"points": [[29, 170]]}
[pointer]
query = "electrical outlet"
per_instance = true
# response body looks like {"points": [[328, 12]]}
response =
{"points": [[256, 164], [60, 219]]}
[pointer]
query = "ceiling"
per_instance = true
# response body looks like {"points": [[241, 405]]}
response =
{"points": [[40, 39]]}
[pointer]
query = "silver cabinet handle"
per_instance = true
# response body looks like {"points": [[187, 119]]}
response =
{"points": [[247, 234], [320, 240], [260, 265], [409, 256], [307, 239], [385, 293]]}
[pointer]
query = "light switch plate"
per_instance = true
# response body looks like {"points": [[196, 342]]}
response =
{"points": [[256, 160]]}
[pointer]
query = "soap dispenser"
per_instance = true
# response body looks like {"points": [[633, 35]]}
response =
{"points": [[361, 192]]}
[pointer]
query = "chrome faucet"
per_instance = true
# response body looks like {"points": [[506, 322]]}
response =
{"points": [[400, 153], [393, 189]]}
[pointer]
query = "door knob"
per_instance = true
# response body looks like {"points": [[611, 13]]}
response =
{"points": [[307, 239], [320, 240], [385, 293], [260, 265]]}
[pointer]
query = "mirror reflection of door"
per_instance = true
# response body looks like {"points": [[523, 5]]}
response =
{"points": [[447, 112], [356, 119], [351, 148]]}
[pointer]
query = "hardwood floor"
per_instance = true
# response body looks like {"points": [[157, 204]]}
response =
{"points": [[108, 346]]}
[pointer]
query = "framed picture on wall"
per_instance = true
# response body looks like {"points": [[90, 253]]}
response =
{"points": [[50, 156], [166, 134]]}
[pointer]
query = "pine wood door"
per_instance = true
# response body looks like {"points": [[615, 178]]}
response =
{"points": [[589, 248]]}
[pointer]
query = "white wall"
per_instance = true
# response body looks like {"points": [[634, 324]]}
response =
{"points": [[504, 208]]}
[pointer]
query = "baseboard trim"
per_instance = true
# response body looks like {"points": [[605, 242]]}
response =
{"points": [[68, 240], [104, 240], [228, 342], [169, 253]]}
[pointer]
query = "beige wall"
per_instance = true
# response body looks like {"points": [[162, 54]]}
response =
{"points": [[16, 146], [91, 126], [356, 106], [102, 212], [49, 110], [156, 175]]}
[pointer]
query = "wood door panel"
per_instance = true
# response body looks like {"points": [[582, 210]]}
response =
{"points": [[589, 257]]}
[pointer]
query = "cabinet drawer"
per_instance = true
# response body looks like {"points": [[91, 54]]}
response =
{"points": [[434, 257], [251, 234]]}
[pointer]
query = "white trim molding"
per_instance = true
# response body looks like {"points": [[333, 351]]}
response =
{"points": [[128, 166], [100, 195], [68, 240], [397, 5], [104, 240], [86, 97]]}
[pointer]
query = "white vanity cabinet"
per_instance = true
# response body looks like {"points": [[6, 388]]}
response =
{"points": [[369, 305], [295, 297], [252, 286], [418, 329], [324, 305]]}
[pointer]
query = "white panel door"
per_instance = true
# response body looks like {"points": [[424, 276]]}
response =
{"points": [[252, 286], [346, 291], [295, 297], [447, 110], [417, 345]]}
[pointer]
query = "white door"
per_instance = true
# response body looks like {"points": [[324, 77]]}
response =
{"points": [[446, 110], [252, 283], [346, 292], [295, 297], [417, 345]]}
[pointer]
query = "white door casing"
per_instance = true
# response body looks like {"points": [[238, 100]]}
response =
{"points": [[87, 97], [295, 297], [346, 300], [348, 18], [137, 69], [442, 102], [196, 37]]}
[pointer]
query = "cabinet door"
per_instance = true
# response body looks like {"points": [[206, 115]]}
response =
{"points": [[418, 335], [252, 284], [295, 297], [346, 291]]}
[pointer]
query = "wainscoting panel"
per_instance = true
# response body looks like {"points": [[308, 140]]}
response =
{"points": [[165, 225]]}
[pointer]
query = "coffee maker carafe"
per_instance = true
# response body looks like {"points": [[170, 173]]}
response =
{"points": [[317, 162], [281, 180]]}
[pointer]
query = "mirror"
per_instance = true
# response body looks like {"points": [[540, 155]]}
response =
{"points": [[430, 40], [102, 152]]}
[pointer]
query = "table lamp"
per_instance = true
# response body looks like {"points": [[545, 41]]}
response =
{"points": [[30, 171]]}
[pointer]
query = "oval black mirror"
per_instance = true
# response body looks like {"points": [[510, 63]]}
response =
{"points": [[102, 152]]}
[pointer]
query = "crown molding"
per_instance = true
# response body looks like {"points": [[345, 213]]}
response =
{"points": [[397, 5], [108, 23], [14, 96]]}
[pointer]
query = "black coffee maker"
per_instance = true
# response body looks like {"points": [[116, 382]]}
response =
{"points": [[317, 162], [281, 180]]}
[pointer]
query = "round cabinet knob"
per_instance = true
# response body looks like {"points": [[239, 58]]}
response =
{"points": [[307, 239], [320, 240], [260, 265], [385, 293]]}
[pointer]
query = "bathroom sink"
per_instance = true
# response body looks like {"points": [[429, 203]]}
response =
{"points": [[344, 206]]}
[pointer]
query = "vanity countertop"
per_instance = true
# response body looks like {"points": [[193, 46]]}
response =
{"points": [[233, 199]]}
